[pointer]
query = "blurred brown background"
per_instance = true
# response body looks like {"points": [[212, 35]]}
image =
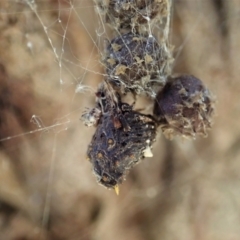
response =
{"points": [[189, 190]]}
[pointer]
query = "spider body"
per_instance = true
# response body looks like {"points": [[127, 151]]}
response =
{"points": [[123, 137]]}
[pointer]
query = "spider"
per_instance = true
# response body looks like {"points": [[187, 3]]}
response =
{"points": [[123, 137]]}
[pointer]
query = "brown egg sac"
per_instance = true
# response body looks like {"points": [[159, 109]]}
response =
{"points": [[133, 14], [123, 137], [136, 63], [184, 107]]}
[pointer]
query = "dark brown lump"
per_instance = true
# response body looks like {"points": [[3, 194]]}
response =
{"points": [[123, 137], [136, 63], [184, 107]]}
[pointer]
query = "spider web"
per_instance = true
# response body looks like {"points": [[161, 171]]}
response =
{"points": [[59, 46]]}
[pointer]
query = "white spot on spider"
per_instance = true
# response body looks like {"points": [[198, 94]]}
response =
{"points": [[147, 152]]}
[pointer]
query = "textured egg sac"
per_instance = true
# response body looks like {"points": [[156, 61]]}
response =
{"points": [[136, 63], [134, 15], [184, 107], [121, 140]]}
